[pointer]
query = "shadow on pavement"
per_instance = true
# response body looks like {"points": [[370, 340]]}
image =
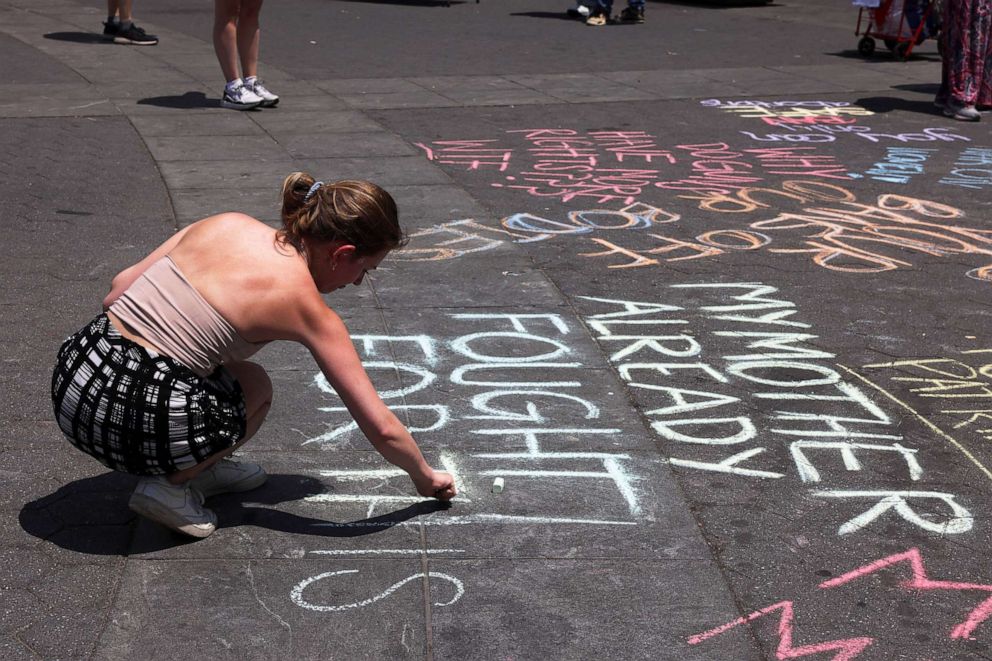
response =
{"points": [[91, 515], [184, 102], [883, 55], [567, 14], [718, 4], [548, 14], [883, 104], [79, 37], [930, 89], [411, 3], [242, 510]]}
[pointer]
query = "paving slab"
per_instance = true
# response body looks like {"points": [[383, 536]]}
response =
{"points": [[575, 624], [445, 84], [499, 97], [349, 144], [229, 608], [27, 65], [259, 174], [236, 124], [516, 284], [311, 122], [218, 148], [387, 171], [714, 311], [195, 204]]}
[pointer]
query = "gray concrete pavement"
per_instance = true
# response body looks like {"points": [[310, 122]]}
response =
{"points": [[734, 380]]}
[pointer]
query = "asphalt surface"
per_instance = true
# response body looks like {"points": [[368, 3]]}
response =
{"points": [[709, 293]]}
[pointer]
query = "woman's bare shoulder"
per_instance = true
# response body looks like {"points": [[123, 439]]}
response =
{"points": [[222, 237], [231, 220]]}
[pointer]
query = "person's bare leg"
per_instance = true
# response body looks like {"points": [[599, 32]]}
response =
{"points": [[124, 10], [113, 6], [226, 36], [249, 35], [257, 388]]}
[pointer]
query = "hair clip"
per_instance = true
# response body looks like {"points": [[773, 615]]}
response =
{"points": [[313, 189]]}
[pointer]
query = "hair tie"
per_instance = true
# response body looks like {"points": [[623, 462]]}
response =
{"points": [[313, 189]]}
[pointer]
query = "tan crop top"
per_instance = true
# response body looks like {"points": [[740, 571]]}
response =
{"points": [[163, 307]]}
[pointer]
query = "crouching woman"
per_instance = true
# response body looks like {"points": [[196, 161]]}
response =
{"points": [[159, 385]]}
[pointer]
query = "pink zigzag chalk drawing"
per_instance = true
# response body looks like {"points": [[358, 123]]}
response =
{"points": [[920, 581], [849, 648], [846, 649]]}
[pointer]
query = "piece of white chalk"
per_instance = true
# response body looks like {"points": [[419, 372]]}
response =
{"points": [[498, 485]]}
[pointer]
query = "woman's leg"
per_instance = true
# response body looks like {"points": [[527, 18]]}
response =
{"points": [[248, 36], [257, 387], [225, 36]]}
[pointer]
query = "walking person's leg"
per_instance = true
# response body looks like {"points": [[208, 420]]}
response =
{"points": [[124, 11], [248, 37], [226, 45], [601, 13], [983, 57], [126, 31], [633, 12], [225, 37], [113, 22], [957, 90]]}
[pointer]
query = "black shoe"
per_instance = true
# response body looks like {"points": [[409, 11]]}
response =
{"points": [[110, 30], [134, 35], [632, 15]]}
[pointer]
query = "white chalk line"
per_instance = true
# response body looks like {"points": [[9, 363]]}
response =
{"points": [[926, 422], [384, 551], [358, 474], [355, 498], [476, 518], [297, 593], [549, 455]]}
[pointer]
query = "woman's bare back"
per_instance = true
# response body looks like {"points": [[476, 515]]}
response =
{"points": [[238, 265]]}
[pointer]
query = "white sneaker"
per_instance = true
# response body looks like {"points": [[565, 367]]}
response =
{"points": [[240, 98], [174, 506], [961, 112], [268, 98], [227, 476]]}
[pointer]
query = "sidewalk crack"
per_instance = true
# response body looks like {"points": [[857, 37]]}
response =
{"points": [[254, 591]]}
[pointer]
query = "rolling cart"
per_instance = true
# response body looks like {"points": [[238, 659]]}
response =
{"points": [[900, 24]]}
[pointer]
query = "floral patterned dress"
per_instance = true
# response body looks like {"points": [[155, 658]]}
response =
{"points": [[967, 52]]}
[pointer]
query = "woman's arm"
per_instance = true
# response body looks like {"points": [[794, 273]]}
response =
{"points": [[328, 340]]}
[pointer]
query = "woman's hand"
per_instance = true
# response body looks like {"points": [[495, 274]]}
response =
{"points": [[438, 485]]}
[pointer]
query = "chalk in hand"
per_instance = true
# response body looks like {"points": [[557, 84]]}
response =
{"points": [[498, 485]]}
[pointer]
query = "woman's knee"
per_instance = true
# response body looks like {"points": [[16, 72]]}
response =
{"points": [[250, 10], [255, 383], [226, 13]]}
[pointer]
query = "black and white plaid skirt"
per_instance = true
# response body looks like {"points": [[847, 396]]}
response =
{"points": [[139, 412]]}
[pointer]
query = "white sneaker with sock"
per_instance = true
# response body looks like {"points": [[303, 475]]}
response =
{"points": [[237, 96], [255, 85], [228, 476], [177, 507]]}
